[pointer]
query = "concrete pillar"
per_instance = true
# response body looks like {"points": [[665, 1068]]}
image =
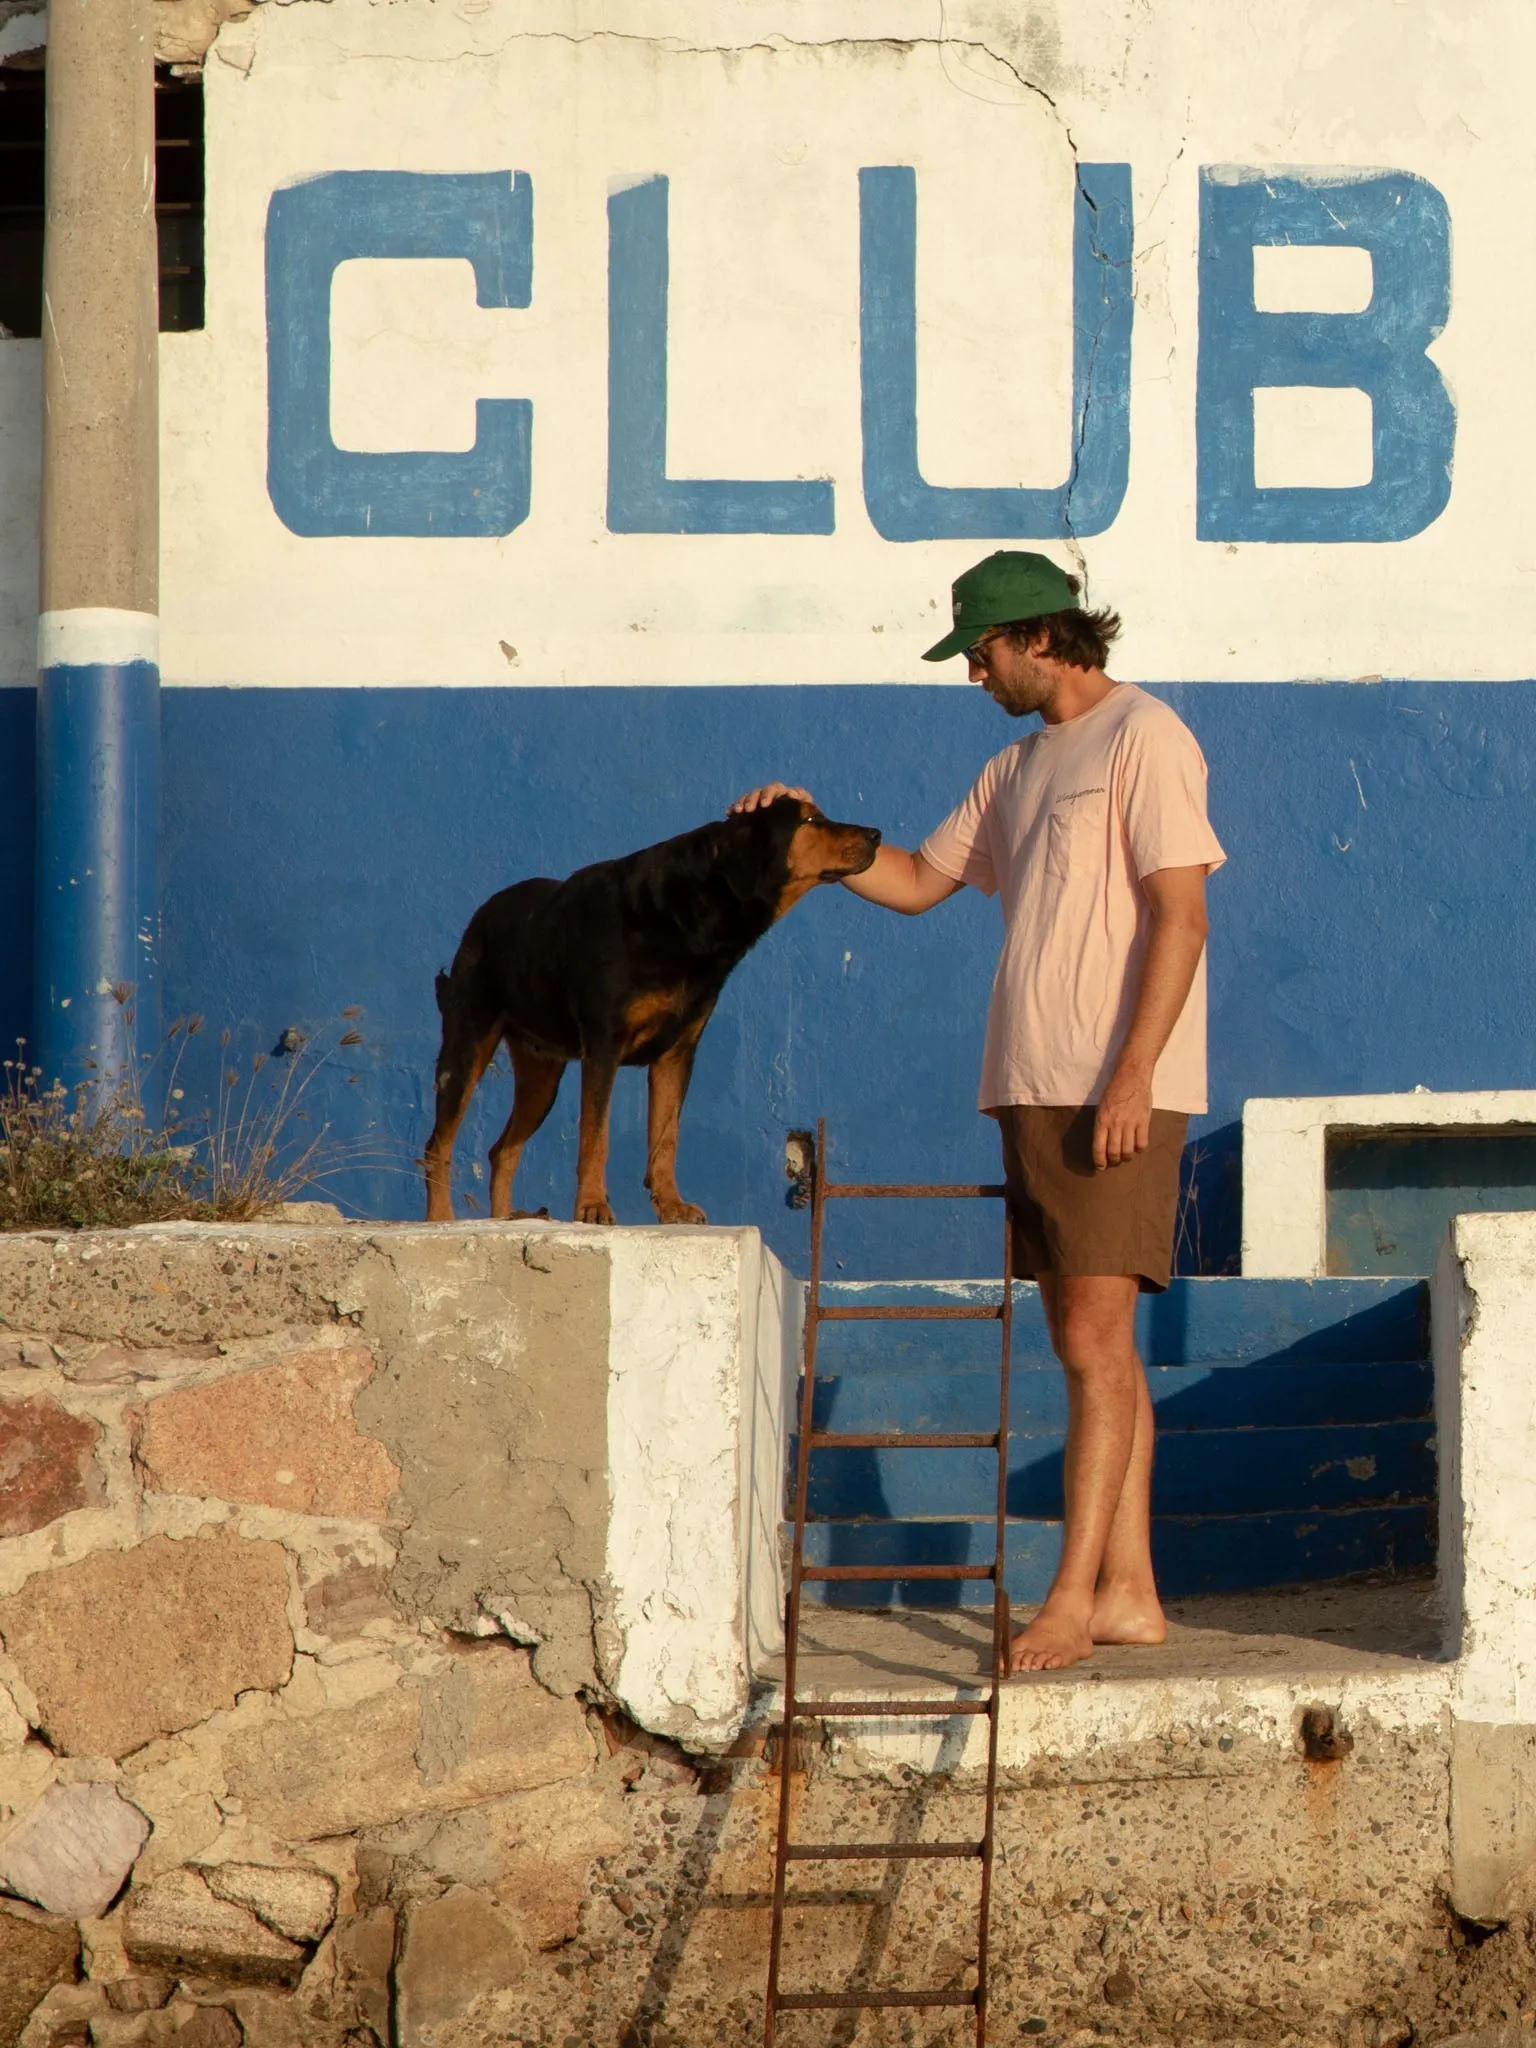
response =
{"points": [[1484, 1335], [98, 718]]}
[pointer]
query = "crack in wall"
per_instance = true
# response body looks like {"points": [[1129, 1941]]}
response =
{"points": [[672, 46]]}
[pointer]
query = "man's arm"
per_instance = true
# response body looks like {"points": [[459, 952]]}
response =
{"points": [[1176, 898], [902, 881], [897, 880]]}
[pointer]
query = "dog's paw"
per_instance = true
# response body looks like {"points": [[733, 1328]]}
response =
{"points": [[594, 1212], [679, 1212]]}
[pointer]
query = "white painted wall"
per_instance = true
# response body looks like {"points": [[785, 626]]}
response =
{"points": [[1056, 1724], [772, 1329], [1285, 1207], [702, 1337], [762, 119]]}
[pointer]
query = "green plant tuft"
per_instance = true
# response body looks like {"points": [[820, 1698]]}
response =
{"points": [[91, 1158]]}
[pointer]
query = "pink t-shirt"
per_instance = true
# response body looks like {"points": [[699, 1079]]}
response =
{"points": [[1064, 824]]}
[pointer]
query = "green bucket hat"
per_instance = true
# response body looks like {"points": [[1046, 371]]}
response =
{"points": [[1006, 586]]}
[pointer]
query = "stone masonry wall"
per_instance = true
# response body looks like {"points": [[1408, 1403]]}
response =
{"points": [[301, 1538]]}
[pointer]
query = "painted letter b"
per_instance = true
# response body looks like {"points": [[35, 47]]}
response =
{"points": [[1404, 224]]}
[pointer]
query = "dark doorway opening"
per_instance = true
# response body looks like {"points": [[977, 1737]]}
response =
{"points": [[178, 199], [1391, 1193]]}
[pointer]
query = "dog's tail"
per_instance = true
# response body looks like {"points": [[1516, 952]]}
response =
{"points": [[441, 986]]}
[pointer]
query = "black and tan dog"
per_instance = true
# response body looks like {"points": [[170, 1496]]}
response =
{"points": [[618, 966]]}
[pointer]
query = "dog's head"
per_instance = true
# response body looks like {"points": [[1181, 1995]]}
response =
{"points": [[777, 854]]}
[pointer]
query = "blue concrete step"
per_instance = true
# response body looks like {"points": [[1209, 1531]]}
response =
{"points": [[1198, 1472], [1196, 1322], [1295, 1435], [1257, 1395], [1195, 1554]]}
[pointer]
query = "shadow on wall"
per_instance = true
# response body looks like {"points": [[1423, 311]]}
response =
{"points": [[1209, 1235]]}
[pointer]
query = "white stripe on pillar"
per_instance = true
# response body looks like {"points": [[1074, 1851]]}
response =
{"points": [[96, 636]]}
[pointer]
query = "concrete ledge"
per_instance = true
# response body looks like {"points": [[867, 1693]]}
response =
{"points": [[1235, 1668], [1285, 1225]]}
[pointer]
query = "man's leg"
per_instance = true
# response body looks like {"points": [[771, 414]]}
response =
{"points": [[1103, 1589], [1126, 1608]]}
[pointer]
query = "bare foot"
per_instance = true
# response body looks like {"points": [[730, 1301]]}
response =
{"points": [[1124, 1614], [1058, 1636]]}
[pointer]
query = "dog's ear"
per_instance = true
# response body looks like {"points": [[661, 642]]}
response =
{"points": [[750, 850]]}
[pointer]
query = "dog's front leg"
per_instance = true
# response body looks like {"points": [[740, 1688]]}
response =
{"points": [[597, 1076], [669, 1080]]}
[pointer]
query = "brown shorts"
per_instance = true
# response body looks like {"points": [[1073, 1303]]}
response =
{"points": [[1067, 1218]]}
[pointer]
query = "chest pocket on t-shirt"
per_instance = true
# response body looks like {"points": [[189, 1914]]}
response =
{"points": [[1073, 831]]}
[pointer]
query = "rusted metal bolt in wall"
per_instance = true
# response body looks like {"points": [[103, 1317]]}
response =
{"points": [[800, 1167], [1324, 1739]]}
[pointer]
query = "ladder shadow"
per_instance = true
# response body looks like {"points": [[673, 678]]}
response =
{"points": [[688, 1896], [877, 1936], [691, 1894]]}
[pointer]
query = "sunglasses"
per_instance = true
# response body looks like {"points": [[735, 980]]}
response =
{"points": [[977, 651]]}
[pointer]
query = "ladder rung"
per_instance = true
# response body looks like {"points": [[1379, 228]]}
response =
{"points": [[901, 1440], [907, 1710], [812, 2001], [875, 1852], [934, 1314], [898, 1571], [932, 1191]]}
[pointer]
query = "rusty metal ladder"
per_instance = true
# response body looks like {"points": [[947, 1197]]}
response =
{"points": [[798, 1709]]}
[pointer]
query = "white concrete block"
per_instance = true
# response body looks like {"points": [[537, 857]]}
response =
{"points": [[1285, 1211], [1486, 1411], [1484, 1338]]}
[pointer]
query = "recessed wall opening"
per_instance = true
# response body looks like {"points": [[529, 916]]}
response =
{"points": [[1391, 1192], [178, 200]]}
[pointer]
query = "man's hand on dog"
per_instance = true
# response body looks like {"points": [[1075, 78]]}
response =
{"points": [[757, 799]]}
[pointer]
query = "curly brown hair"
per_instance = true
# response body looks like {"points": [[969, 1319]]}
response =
{"points": [[1078, 638]]}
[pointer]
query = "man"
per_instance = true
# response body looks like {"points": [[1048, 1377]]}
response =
{"points": [[1094, 832]]}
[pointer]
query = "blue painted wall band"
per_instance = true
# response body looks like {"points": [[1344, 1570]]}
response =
{"points": [[96, 898], [1379, 852]]}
